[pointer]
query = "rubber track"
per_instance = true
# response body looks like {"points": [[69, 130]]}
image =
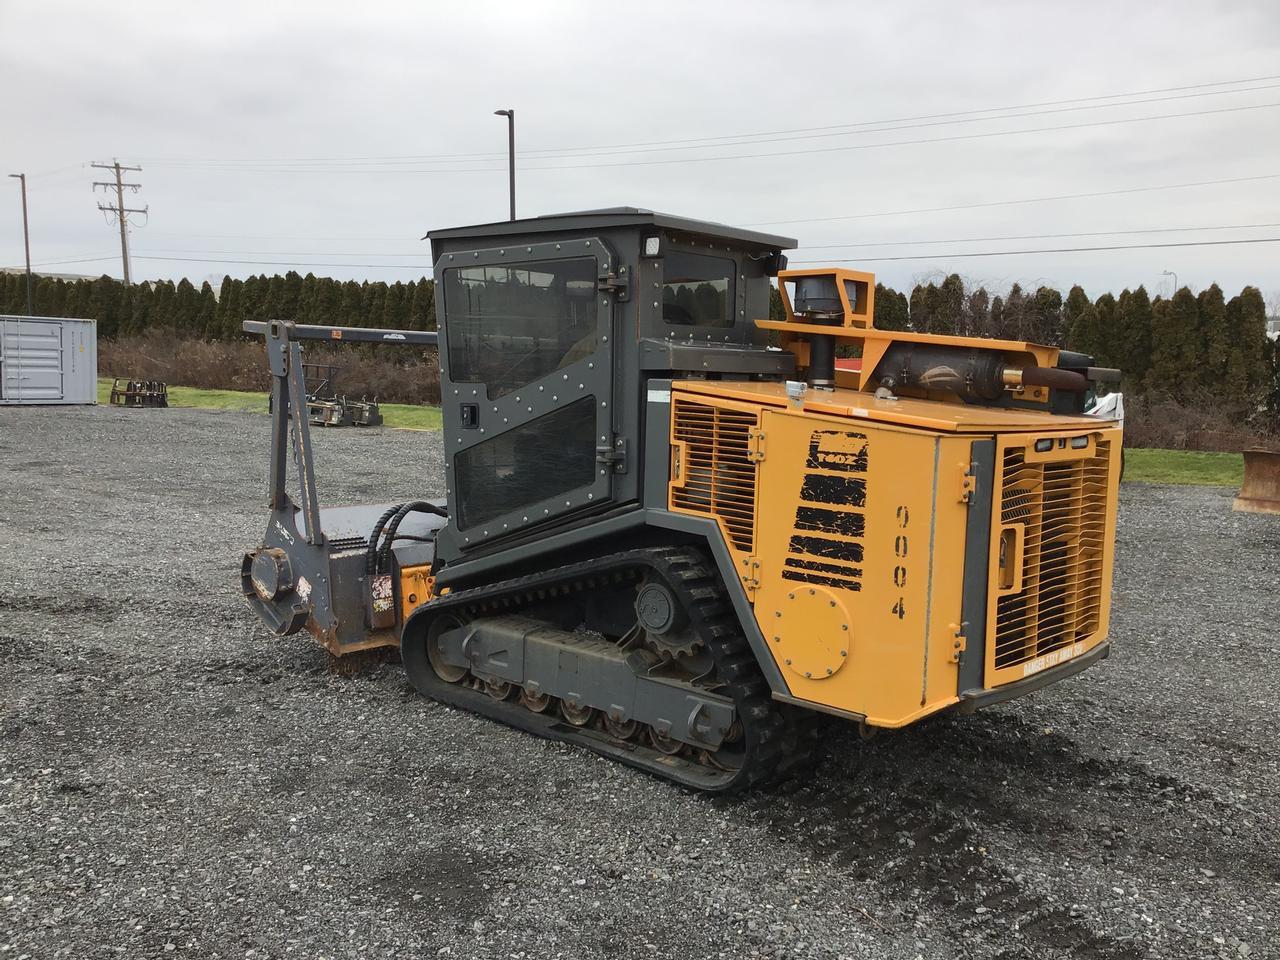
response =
{"points": [[779, 741]]}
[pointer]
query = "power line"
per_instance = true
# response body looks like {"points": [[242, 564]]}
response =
{"points": [[968, 254], [1015, 253], [1033, 236], [1008, 203], [566, 152], [755, 156], [906, 143], [120, 211], [292, 263], [820, 246], [296, 253], [752, 139]]}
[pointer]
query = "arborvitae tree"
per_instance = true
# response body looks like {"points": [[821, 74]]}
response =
{"points": [[352, 305], [1085, 333], [1133, 337], [995, 319], [289, 296], [1042, 320], [892, 310], [1247, 375], [104, 307], [375, 295], [1074, 305], [1106, 308], [253, 305], [71, 302], [949, 306], [1176, 347], [393, 307], [207, 322], [976, 319], [1212, 309], [924, 307], [186, 309], [1011, 315], [1271, 401]]}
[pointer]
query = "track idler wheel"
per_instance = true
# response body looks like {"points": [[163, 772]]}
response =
{"points": [[447, 672]]}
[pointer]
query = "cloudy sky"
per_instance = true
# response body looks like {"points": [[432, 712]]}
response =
{"points": [[904, 137]]}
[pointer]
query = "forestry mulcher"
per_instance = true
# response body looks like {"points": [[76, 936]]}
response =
{"points": [[675, 532]]}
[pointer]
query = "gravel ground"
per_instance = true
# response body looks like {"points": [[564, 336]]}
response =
{"points": [[174, 781]]}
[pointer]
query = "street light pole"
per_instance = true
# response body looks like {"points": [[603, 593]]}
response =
{"points": [[1170, 273], [26, 239], [511, 153]]}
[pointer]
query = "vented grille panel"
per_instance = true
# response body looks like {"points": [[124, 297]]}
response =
{"points": [[717, 476], [1059, 510]]}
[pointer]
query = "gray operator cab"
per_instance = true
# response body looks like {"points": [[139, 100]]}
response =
{"points": [[555, 332]]}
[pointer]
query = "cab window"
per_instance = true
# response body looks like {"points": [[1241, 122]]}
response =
{"points": [[508, 326], [697, 290]]}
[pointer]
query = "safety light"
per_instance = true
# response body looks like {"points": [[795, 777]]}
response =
{"points": [[1044, 445], [652, 245]]}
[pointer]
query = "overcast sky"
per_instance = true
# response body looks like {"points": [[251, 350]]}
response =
{"points": [[276, 132]]}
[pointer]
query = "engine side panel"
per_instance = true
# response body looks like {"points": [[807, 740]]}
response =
{"points": [[860, 552]]}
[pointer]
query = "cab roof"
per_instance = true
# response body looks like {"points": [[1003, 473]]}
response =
{"points": [[584, 220]]}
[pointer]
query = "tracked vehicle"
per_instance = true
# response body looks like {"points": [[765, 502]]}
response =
{"points": [[675, 543]]}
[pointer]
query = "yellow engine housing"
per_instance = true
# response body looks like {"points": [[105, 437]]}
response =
{"points": [[848, 516]]}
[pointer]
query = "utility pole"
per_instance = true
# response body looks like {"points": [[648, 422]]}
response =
{"points": [[119, 209], [26, 240], [511, 153]]}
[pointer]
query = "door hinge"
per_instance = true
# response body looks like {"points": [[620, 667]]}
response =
{"points": [[958, 642], [615, 456], [755, 445], [750, 576], [614, 283], [969, 483]]}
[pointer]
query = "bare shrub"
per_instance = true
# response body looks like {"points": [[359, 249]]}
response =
{"points": [[1203, 423], [390, 374]]}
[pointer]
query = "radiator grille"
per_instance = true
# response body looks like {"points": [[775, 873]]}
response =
{"points": [[1059, 509], [717, 476]]}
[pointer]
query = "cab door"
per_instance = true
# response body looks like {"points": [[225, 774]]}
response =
{"points": [[525, 371]]}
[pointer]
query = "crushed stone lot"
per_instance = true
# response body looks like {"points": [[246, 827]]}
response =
{"points": [[176, 782]]}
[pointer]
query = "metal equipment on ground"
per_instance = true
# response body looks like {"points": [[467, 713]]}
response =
{"points": [[326, 408], [671, 543], [1260, 492], [139, 393]]}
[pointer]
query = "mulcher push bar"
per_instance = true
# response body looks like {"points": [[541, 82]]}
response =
{"points": [[303, 331], [288, 392]]}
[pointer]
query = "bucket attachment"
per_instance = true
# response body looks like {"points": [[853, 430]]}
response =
{"points": [[1260, 492]]}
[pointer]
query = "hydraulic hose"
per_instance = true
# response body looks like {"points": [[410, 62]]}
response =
{"points": [[415, 506], [371, 555]]}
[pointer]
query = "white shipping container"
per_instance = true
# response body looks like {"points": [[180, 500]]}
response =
{"points": [[48, 360]]}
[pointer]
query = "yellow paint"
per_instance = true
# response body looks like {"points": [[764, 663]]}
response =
{"points": [[417, 586], [889, 483], [858, 326], [900, 618], [947, 417], [1029, 580]]}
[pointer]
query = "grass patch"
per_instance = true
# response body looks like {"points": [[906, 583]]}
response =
{"points": [[1183, 466], [402, 416], [1141, 465]]}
